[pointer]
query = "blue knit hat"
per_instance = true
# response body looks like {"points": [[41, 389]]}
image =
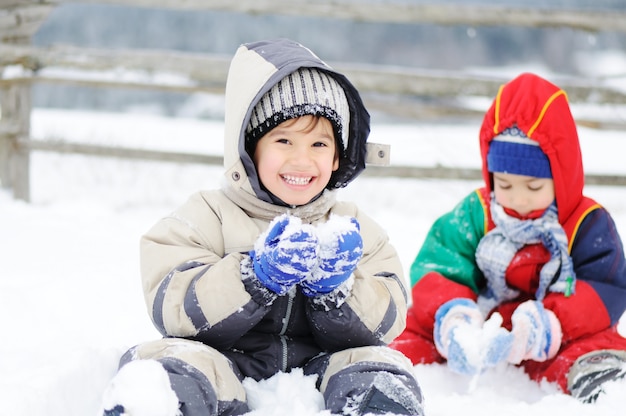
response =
{"points": [[513, 152]]}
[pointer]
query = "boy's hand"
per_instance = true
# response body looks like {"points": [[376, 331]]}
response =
{"points": [[285, 254], [456, 322], [537, 333], [468, 343], [340, 250]]}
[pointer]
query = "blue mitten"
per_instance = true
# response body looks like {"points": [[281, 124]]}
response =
{"points": [[456, 321], [341, 248], [285, 254], [470, 344], [537, 333]]}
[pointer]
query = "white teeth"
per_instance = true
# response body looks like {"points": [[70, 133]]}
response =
{"points": [[297, 180]]}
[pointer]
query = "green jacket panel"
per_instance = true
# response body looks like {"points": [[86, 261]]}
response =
{"points": [[451, 242]]}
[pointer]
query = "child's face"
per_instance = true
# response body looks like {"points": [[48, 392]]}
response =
{"points": [[295, 159], [523, 194]]}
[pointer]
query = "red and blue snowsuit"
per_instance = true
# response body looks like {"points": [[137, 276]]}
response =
{"points": [[445, 267]]}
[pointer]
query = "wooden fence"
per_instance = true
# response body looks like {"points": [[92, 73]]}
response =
{"points": [[20, 19]]}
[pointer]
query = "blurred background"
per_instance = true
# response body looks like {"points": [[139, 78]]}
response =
{"points": [[414, 61], [443, 47]]}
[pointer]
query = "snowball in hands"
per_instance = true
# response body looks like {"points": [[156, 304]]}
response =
{"points": [[285, 254], [319, 258], [470, 344], [340, 249]]}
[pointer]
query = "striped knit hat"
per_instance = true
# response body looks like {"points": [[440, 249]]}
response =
{"points": [[306, 91]]}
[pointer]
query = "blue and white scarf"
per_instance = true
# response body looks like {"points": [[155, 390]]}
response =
{"points": [[498, 247]]}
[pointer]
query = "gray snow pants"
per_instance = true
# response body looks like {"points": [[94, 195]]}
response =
{"points": [[355, 381]]}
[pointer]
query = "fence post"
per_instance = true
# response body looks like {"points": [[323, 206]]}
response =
{"points": [[20, 20], [15, 103], [5, 146]]}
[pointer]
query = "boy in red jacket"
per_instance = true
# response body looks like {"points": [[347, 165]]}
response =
{"points": [[526, 270]]}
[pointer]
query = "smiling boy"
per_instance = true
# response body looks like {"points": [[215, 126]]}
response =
{"points": [[296, 159], [272, 272]]}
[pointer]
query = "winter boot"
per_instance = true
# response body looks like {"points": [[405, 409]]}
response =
{"points": [[378, 403], [117, 410], [592, 370], [388, 395]]}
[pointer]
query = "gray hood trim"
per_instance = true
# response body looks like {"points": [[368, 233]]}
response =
{"points": [[276, 59]]}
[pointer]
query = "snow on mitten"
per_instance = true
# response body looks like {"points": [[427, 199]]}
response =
{"points": [[495, 342], [285, 254], [537, 333], [340, 250], [458, 322], [470, 344]]}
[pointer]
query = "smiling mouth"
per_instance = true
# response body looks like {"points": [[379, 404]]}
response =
{"points": [[297, 180]]}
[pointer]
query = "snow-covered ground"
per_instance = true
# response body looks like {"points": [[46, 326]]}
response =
{"points": [[70, 298]]}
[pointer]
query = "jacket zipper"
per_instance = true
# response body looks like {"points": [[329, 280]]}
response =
{"points": [[286, 319]]}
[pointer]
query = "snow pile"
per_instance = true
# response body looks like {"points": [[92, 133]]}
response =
{"points": [[70, 295]]}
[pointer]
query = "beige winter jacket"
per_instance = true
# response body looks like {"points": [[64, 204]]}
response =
{"points": [[190, 260]]}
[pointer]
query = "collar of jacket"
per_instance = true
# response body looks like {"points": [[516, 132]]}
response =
{"points": [[257, 208]]}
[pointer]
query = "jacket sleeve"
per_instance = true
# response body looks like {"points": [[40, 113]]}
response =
{"points": [[450, 245], [600, 297], [373, 310], [445, 266], [192, 287]]}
